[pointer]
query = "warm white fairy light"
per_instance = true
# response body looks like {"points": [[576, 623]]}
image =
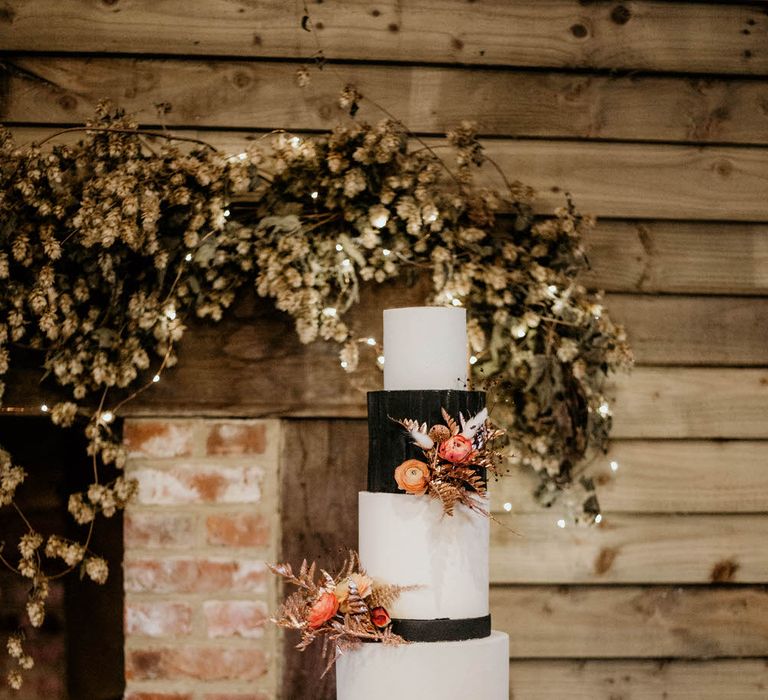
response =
{"points": [[107, 417], [508, 507], [344, 364], [604, 410], [371, 341], [170, 313], [552, 289], [472, 359], [386, 252], [242, 156], [380, 359], [521, 332], [44, 408], [431, 218], [598, 519], [380, 220], [346, 263], [561, 523], [156, 378], [188, 257], [339, 247], [329, 311], [227, 212], [456, 302], [614, 466], [315, 195], [295, 141]]}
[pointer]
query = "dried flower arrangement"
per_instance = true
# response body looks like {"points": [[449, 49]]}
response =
{"points": [[109, 244], [455, 452], [344, 610]]}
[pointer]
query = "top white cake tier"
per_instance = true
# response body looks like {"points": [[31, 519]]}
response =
{"points": [[425, 347]]}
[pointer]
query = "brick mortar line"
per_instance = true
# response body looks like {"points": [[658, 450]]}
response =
{"points": [[206, 551], [193, 686], [136, 642]]}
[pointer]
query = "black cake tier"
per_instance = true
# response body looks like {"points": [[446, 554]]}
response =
{"points": [[389, 444]]}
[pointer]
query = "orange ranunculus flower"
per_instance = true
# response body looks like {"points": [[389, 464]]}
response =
{"points": [[323, 609], [412, 476], [363, 585], [455, 449], [380, 617]]}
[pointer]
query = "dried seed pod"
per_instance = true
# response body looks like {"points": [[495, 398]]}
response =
{"points": [[438, 433]]}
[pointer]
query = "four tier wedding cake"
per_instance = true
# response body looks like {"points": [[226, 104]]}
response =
{"points": [[407, 538]]}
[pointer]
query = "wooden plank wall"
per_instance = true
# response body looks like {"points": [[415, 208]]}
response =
{"points": [[655, 116]]}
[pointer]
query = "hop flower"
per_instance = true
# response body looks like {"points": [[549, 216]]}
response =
{"points": [[97, 569]]}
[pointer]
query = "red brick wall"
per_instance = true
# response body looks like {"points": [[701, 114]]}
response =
{"points": [[197, 592]]}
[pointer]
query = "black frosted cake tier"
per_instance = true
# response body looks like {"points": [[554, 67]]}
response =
{"points": [[388, 442]]}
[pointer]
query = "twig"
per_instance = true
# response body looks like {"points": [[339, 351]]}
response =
{"points": [[118, 130]]}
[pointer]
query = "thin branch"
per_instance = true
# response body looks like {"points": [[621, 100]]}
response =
{"points": [[118, 130]]}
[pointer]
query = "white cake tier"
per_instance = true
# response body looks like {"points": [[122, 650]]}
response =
{"points": [[476, 669], [425, 347], [406, 540]]}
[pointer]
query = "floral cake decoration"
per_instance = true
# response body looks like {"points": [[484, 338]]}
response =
{"points": [[343, 610], [454, 455]]}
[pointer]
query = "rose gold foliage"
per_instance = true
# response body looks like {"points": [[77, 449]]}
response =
{"points": [[455, 454], [338, 609]]}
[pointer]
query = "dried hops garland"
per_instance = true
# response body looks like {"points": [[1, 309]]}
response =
{"points": [[106, 246]]}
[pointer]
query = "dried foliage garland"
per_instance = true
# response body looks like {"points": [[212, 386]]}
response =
{"points": [[106, 246], [344, 610]]}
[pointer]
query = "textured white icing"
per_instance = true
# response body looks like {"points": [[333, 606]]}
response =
{"points": [[476, 669], [407, 540], [425, 347]]}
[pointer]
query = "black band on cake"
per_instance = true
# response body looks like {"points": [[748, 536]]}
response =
{"points": [[443, 630], [389, 444]]}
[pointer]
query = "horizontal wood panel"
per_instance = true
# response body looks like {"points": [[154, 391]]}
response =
{"points": [[672, 36], [264, 95], [663, 476], [630, 548], [694, 330], [691, 403], [618, 180], [553, 679], [233, 368], [630, 621], [681, 257]]}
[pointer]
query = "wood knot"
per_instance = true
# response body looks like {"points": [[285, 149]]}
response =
{"points": [[110, 2], [605, 559], [747, 54], [724, 168], [256, 41], [375, 13], [457, 43], [67, 102], [7, 14], [621, 14], [241, 80], [579, 31], [319, 25], [393, 27], [724, 571], [325, 111]]}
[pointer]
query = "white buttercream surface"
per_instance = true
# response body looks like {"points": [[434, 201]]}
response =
{"points": [[406, 540], [476, 669]]}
